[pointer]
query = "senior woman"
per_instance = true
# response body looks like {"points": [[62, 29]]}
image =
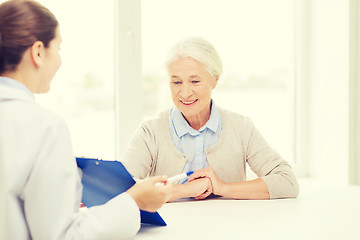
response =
{"points": [[196, 135]]}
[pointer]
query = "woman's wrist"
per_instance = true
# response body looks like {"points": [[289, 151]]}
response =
{"points": [[221, 189]]}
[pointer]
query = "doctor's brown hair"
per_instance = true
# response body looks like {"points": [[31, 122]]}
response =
{"points": [[22, 23]]}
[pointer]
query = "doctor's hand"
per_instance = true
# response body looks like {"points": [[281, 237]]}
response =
{"points": [[149, 197], [208, 172]]}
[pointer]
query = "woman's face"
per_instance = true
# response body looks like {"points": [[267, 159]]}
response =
{"points": [[191, 86], [52, 62]]}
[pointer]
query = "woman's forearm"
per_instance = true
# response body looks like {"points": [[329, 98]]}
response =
{"points": [[254, 189]]}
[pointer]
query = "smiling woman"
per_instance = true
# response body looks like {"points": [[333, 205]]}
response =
{"points": [[198, 136], [191, 86], [255, 39], [194, 68]]}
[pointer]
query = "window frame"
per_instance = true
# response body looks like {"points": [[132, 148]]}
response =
{"points": [[128, 72], [354, 91]]}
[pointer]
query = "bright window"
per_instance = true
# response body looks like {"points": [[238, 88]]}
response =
{"points": [[82, 91]]}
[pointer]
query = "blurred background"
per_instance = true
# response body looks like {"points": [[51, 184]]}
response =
{"points": [[287, 66]]}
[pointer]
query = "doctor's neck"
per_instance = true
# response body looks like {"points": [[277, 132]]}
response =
{"points": [[24, 76]]}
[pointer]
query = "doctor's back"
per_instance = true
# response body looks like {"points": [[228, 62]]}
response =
{"points": [[39, 172], [36, 151]]}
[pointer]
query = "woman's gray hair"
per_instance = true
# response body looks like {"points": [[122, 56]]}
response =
{"points": [[199, 49]]}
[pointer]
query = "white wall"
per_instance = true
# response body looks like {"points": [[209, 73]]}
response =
{"points": [[328, 75]]}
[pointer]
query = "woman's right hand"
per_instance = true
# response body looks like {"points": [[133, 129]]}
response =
{"points": [[199, 188], [149, 197], [209, 172]]}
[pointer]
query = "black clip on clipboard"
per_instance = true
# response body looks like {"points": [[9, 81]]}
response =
{"points": [[102, 180]]}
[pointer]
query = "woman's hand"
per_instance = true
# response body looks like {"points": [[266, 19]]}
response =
{"points": [[208, 172], [199, 188], [149, 197]]}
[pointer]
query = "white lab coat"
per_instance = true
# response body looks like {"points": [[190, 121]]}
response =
{"points": [[2, 196], [43, 187]]}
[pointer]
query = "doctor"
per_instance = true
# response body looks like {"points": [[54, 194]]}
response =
{"points": [[43, 187]]}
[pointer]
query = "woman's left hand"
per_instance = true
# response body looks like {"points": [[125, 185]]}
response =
{"points": [[208, 172]]}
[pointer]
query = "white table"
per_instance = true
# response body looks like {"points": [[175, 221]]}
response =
{"points": [[320, 213]]}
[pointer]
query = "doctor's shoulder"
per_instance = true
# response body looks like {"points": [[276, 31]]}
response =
{"points": [[44, 120]]}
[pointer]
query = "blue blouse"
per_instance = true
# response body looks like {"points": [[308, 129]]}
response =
{"points": [[192, 142]]}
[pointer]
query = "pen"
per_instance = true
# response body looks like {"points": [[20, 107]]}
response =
{"points": [[176, 178]]}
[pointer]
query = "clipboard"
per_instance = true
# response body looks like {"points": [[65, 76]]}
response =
{"points": [[102, 180]]}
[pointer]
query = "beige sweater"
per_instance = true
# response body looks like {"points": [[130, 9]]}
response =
{"points": [[152, 152]]}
